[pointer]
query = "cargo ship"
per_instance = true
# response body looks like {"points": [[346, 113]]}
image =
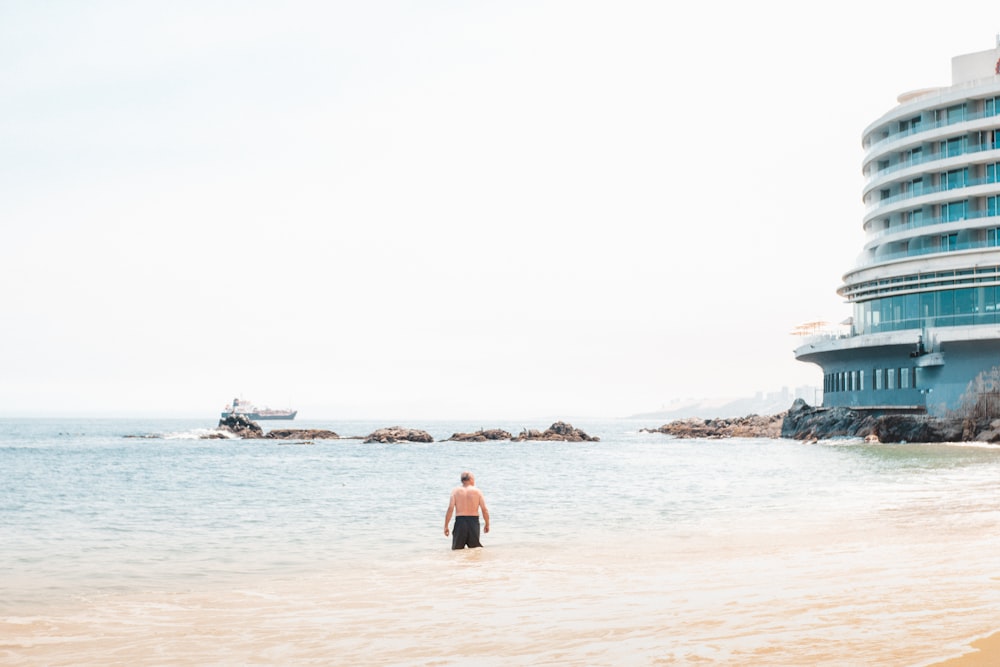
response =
{"points": [[250, 411]]}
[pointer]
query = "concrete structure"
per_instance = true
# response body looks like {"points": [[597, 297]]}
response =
{"points": [[926, 287]]}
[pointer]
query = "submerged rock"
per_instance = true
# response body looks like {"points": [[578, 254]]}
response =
{"points": [[560, 431], [399, 434], [481, 436]]}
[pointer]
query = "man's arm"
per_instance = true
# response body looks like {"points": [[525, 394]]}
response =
{"points": [[486, 513], [447, 516]]}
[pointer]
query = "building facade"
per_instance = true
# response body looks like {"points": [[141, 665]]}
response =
{"points": [[925, 289]]}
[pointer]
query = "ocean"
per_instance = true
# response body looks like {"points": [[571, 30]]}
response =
{"points": [[131, 541]]}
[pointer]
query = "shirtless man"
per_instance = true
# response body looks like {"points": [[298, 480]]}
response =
{"points": [[466, 501]]}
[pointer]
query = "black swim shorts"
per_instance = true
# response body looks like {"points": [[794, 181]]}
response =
{"points": [[465, 533]]}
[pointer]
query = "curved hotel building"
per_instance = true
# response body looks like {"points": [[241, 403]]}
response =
{"points": [[926, 287]]}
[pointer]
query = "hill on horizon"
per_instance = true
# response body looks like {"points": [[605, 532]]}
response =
{"points": [[761, 404]]}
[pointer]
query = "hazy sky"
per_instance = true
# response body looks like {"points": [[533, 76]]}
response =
{"points": [[435, 209]]}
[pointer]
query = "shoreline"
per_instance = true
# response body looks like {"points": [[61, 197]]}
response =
{"points": [[983, 652]]}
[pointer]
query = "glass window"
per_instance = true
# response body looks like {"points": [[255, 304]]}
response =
{"points": [[911, 310], [928, 307], [956, 178], [989, 299], [947, 243], [885, 305], [956, 114], [877, 374], [890, 378], [945, 307], [993, 205], [861, 380], [955, 147], [953, 211], [965, 301], [904, 378]]}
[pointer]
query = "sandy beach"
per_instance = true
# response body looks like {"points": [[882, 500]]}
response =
{"points": [[984, 652]]}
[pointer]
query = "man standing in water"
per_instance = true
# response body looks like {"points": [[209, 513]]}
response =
{"points": [[466, 501]]}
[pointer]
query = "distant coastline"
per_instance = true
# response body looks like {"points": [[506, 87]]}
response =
{"points": [[759, 404]]}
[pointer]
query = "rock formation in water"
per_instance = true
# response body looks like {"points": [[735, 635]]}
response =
{"points": [[990, 432], [240, 426], [301, 434], [560, 431], [399, 434], [751, 426], [481, 435], [804, 422], [243, 427]]}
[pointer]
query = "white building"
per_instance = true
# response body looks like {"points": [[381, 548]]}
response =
{"points": [[926, 286]]}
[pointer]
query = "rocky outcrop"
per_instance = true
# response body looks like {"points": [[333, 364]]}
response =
{"points": [[990, 432], [804, 422], [301, 434], [481, 436], [399, 434], [751, 426], [922, 428], [241, 427], [560, 431]]}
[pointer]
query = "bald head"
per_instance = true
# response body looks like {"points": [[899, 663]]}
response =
{"points": [[467, 478]]}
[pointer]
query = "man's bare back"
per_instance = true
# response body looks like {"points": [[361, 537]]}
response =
{"points": [[466, 501]]}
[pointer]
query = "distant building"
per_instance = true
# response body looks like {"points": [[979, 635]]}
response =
{"points": [[926, 288]]}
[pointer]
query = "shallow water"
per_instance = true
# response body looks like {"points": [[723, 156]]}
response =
{"points": [[638, 549]]}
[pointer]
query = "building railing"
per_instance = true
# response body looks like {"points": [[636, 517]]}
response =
{"points": [[930, 190], [927, 222], [919, 323], [934, 157], [867, 260], [931, 125]]}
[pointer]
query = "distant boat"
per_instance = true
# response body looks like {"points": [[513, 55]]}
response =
{"points": [[251, 411]]}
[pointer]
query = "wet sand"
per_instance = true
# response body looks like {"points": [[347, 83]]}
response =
{"points": [[985, 653], [748, 606]]}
